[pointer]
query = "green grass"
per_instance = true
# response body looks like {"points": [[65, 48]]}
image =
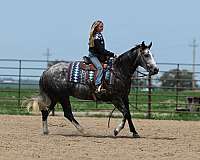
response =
{"points": [[13, 110], [9, 99], [162, 100], [169, 116]]}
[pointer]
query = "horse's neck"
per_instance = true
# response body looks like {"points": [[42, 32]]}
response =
{"points": [[127, 63]]}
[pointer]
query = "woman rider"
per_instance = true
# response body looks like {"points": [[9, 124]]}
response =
{"points": [[97, 51]]}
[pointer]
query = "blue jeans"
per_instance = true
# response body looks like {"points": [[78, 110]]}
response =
{"points": [[99, 68]]}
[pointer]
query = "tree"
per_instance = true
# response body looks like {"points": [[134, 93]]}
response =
{"points": [[177, 78]]}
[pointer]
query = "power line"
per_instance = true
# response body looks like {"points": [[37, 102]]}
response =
{"points": [[194, 45], [47, 55]]}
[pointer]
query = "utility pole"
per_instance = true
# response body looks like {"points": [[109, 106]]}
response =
{"points": [[194, 46], [47, 54]]}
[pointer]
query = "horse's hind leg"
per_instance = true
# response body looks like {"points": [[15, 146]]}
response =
{"points": [[45, 114], [66, 105]]}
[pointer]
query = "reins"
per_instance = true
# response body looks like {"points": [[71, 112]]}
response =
{"points": [[142, 74]]}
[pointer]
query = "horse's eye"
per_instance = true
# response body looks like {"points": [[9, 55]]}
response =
{"points": [[146, 55]]}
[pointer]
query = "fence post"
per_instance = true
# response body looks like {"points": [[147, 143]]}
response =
{"points": [[137, 89], [177, 86], [149, 96], [96, 104], [19, 83]]}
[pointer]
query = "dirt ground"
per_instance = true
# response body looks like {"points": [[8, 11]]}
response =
{"points": [[21, 138]]}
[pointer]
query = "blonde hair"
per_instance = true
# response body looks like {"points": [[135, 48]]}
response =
{"points": [[92, 32]]}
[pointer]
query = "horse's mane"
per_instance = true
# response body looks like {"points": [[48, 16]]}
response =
{"points": [[126, 55]]}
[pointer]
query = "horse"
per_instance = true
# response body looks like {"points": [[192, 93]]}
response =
{"points": [[55, 87]]}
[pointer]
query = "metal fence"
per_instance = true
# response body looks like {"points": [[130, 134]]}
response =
{"points": [[174, 89]]}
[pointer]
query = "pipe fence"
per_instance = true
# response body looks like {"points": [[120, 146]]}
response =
{"points": [[175, 89]]}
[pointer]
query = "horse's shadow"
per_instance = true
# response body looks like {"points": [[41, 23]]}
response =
{"points": [[162, 138], [112, 136], [92, 136]]}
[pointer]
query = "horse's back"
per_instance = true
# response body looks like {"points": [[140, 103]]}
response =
{"points": [[64, 78], [74, 71], [77, 72]]}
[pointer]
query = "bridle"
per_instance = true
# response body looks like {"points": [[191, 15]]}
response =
{"points": [[142, 74]]}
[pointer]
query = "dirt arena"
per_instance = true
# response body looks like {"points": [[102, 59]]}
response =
{"points": [[21, 138]]}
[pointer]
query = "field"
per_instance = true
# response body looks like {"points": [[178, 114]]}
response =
{"points": [[162, 102], [21, 138]]}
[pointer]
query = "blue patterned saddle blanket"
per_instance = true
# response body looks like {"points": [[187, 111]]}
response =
{"points": [[80, 72]]}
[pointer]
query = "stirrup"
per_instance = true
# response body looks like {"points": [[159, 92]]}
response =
{"points": [[100, 89]]}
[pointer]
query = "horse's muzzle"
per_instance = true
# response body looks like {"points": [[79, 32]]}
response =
{"points": [[154, 71]]}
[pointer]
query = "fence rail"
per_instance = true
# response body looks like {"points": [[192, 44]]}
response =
{"points": [[19, 80]]}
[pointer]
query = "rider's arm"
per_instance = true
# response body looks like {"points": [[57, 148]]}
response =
{"points": [[100, 46]]}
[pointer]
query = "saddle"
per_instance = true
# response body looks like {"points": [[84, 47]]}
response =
{"points": [[87, 64], [84, 72]]}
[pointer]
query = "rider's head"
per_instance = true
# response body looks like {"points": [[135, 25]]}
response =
{"points": [[97, 26]]}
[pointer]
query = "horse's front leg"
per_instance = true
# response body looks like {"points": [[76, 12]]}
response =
{"points": [[118, 103], [131, 126], [123, 107], [120, 127]]}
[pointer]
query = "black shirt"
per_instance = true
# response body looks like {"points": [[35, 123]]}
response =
{"points": [[99, 47]]}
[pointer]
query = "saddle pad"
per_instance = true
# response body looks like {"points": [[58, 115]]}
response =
{"points": [[79, 73]]}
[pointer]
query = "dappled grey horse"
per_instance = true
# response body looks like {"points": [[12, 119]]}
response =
{"points": [[55, 87]]}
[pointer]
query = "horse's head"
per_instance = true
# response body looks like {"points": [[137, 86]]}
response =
{"points": [[146, 59]]}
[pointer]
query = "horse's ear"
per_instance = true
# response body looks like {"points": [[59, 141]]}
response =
{"points": [[143, 45], [150, 45]]}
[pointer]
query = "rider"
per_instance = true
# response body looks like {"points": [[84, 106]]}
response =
{"points": [[97, 51]]}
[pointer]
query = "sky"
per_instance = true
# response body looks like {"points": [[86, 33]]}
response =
{"points": [[29, 27]]}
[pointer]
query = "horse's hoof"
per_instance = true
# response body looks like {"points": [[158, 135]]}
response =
{"points": [[46, 133], [115, 132], [82, 131], [136, 135]]}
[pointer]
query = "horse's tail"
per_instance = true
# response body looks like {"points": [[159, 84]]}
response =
{"points": [[39, 102]]}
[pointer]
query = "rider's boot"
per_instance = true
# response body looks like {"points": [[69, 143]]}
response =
{"points": [[99, 89]]}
